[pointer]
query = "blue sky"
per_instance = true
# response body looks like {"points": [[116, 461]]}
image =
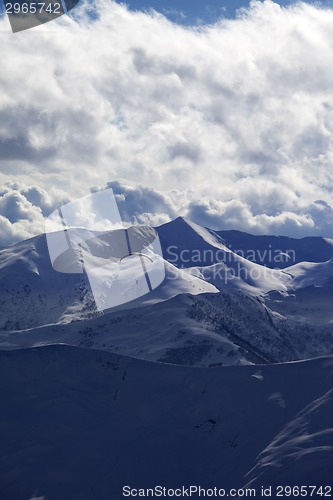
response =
{"points": [[189, 12], [196, 12]]}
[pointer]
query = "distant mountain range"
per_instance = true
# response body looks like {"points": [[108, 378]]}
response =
{"points": [[224, 301]]}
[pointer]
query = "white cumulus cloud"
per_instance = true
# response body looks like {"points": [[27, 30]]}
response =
{"points": [[230, 124]]}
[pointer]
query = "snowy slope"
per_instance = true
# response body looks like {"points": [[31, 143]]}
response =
{"points": [[33, 294], [186, 244], [310, 295], [244, 276], [86, 410], [268, 250], [298, 298], [307, 274], [214, 262], [79, 424], [302, 451]]}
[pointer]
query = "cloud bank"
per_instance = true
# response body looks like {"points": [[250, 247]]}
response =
{"points": [[23, 210], [230, 124]]}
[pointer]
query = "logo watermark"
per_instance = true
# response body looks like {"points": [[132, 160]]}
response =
{"points": [[269, 257], [88, 236], [26, 14], [221, 266]]}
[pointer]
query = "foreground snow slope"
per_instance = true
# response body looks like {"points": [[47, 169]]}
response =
{"points": [[79, 424]]}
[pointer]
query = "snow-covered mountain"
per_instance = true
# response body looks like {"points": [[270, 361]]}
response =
{"points": [[80, 424], [271, 251], [86, 409], [215, 307], [266, 250]]}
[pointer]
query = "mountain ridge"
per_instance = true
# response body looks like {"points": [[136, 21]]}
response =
{"points": [[233, 311]]}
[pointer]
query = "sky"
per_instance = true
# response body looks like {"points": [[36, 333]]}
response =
{"points": [[190, 12], [228, 123], [193, 12]]}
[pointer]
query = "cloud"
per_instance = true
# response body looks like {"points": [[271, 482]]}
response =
{"points": [[22, 211], [230, 124], [142, 205]]}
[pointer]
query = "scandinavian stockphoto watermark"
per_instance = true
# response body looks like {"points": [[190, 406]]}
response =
{"points": [[269, 256], [89, 236], [26, 14], [223, 264]]}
